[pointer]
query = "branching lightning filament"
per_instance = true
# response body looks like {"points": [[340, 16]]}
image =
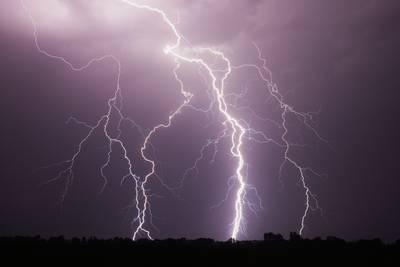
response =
{"points": [[238, 130]]}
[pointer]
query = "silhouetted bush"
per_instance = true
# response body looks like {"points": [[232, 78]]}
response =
{"points": [[294, 236], [271, 237]]}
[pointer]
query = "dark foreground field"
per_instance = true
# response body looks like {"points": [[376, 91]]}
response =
{"points": [[273, 250]]}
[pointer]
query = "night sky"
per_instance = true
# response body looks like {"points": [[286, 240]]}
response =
{"points": [[337, 58]]}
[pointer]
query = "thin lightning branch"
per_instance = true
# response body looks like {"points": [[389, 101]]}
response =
{"points": [[102, 123], [187, 96], [194, 168], [266, 75]]}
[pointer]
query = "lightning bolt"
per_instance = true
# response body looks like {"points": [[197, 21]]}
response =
{"points": [[234, 128], [311, 201]]}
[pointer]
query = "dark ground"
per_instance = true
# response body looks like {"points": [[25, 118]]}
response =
{"points": [[206, 252]]}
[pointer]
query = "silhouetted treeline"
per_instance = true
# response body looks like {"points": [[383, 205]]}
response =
{"points": [[274, 249]]}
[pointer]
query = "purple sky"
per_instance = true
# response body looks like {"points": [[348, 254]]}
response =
{"points": [[339, 58]]}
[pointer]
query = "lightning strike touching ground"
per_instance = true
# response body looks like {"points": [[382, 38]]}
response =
{"points": [[266, 75], [236, 129]]}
